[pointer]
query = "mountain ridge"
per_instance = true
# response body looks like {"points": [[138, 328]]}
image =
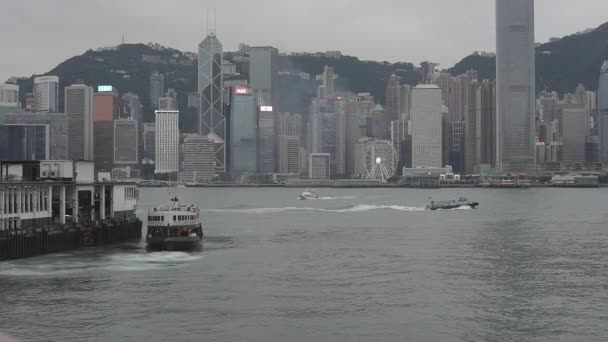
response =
{"points": [[560, 65]]}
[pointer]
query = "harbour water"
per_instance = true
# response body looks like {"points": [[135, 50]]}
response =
{"points": [[355, 265]]}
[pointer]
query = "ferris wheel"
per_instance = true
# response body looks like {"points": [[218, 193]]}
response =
{"points": [[380, 160]]}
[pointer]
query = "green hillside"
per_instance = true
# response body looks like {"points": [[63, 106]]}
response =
{"points": [[560, 65]]}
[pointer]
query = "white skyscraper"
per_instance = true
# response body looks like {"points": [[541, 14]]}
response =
{"points": [[602, 97], [79, 110], [426, 126], [515, 86], [167, 141], [46, 94]]}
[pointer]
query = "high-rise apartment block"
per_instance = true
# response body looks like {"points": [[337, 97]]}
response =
{"points": [[426, 126], [46, 94], [80, 132], [515, 86], [167, 141]]}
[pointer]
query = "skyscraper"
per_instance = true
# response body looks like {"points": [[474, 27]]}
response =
{"points": [[575, 130], [126, 142], [210, 89], [199, 163], [157, 88], [79, 110], [426, 126], [57, 124], [602, 95], [243, 134], [105, 110], [405, 101], [149, 140], [486, 121], [328, 127], [515, 85], [472, 129], [46, 94], [167, 141], [392, 108], [263, 81], [9, 100], [289, 143], [329, 81], [264, 74], [402, 142]]}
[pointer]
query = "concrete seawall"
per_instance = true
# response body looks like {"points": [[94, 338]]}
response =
{"points": [[19, 245]]}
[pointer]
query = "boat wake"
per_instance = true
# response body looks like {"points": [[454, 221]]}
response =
{"points": [[354, 209], [60, 265], [336, 198]]}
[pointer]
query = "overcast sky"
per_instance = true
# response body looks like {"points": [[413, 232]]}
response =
{"points": [[39, 34]]}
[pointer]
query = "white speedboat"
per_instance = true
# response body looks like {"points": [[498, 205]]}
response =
{"points": [[309, 194], [174, 226]]}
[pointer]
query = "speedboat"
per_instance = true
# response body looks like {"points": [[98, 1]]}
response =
{"points": [[174, 226], [309, 194], [461, 202]]}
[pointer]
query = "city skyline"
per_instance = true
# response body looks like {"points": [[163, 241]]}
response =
{"points": [[419, 37]]}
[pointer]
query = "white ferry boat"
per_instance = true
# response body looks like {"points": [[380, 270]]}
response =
{"points": [[174, 226], [309, 194]]}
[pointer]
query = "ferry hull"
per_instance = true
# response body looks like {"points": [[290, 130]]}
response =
{"points": [[174, 244]]}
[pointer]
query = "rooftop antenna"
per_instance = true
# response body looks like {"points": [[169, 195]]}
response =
{"points": [[215, 20], [207, 33], [123, 38]]}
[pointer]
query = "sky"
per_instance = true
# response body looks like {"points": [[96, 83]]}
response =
{"points": [[40, 34]]}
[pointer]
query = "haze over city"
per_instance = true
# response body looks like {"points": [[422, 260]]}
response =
{"points": [[442, 31], [259, 171]]}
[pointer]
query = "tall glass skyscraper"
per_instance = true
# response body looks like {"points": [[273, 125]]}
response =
{"points": [[602, 94], [212, 121], [243, 135], [157, 88], [515, 86]]}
